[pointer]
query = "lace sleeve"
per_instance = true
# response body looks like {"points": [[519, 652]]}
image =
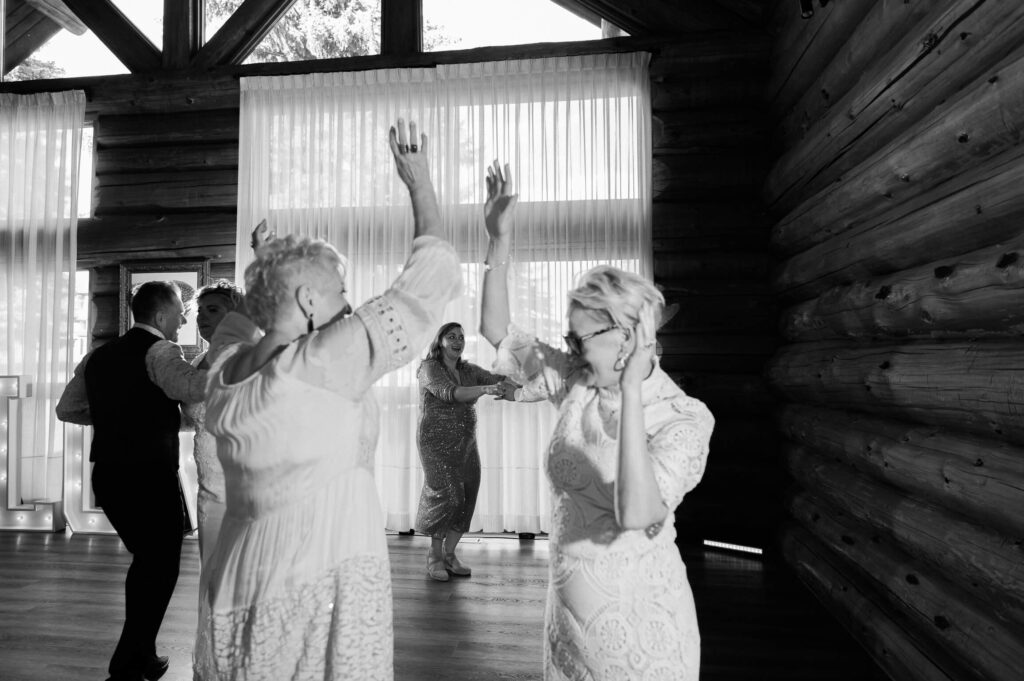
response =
{"points": [[540, 369], [234, 328], [679, 449], [73, 406], [387, 332], [168, 369]]}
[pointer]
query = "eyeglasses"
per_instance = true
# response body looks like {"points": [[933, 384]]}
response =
{"points": [[575, 342]]}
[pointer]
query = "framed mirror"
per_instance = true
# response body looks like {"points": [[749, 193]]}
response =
{"points": [[189, 274]]}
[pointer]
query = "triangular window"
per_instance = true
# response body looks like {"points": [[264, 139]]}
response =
{"points": [[67, 55], [217, 12], [311, 29], [148, 17], [464, 24]]}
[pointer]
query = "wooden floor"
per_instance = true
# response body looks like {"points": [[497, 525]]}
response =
{"points": [[61, 609]]}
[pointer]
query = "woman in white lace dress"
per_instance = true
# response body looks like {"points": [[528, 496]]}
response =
{"points": [[213, 302], [628, 445], [300, 584]]}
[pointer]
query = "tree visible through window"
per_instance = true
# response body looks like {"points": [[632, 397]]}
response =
{"points": [[318, 29]]}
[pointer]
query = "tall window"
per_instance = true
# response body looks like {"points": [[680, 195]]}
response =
{"points": [[576, 132]]}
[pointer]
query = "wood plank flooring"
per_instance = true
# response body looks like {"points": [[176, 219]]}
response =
{"points": [[61, 604]]}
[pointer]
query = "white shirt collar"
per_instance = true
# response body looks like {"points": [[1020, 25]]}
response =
{"points": [[152, 329]]}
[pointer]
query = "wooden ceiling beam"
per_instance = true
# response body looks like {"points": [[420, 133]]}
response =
{"points": [[183, 32], [118, 33], [643, 18], [24, 37], [401, 26], [753, 11], [57, 11], [241, 33]]}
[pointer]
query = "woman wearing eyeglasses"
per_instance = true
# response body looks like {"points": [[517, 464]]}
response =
{"points": [[628, 445]]}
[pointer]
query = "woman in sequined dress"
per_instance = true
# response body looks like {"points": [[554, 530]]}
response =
{"points": [[449, 389], [627, 447]]}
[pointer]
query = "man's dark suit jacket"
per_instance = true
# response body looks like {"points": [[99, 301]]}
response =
{"points": [[135, 424]]}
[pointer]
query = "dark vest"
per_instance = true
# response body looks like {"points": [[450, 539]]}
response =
{"points": [[134, 423]]}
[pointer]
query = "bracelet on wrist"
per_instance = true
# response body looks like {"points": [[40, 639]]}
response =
{"points": [[488, 266]]}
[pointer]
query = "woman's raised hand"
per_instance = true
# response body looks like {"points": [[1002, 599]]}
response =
{"points": [[640, 361], [501, 200], [261, 235], [410, 157]]}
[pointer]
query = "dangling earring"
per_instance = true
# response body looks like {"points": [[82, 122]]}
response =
{"points": [[309, 323], [620, 361]]}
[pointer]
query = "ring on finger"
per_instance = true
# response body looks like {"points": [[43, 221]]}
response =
{"points": [[404, 149], [413, 148]]}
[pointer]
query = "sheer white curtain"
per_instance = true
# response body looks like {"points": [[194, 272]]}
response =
{"points": [[40, 143], [576, 131]]}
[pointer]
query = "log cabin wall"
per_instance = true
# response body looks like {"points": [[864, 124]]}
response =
{"points": [[166, 187], [712, 259], [165, 181], [896, 196]]}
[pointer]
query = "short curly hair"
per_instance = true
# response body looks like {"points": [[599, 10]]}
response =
{"points": [[616, 295], [222, 287], [283, 264]]}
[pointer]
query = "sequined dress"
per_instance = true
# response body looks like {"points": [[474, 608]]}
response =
{"points": [[446, 438], [619, 605], [299, 582]]}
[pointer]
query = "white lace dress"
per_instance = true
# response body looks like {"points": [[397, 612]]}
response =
{"points": [[210, 500], [210, 513], [619, 604], [299, 582]]}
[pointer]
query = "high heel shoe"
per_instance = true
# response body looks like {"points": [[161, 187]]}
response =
{"points": [[436, 569], [456, 566]]}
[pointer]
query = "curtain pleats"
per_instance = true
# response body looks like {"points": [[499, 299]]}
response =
{"points": [[40, 143], [314, 160]]}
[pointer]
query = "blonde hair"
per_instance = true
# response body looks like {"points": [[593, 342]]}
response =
{"points": [[223, 288], [616, 294], [283, 264]]}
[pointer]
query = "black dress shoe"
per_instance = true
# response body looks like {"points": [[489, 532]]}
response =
{"points": [[156, 667]]}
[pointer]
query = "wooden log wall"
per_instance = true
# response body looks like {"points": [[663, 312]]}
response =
{"points": [[898, 240], [711, 258], [166, 186]]}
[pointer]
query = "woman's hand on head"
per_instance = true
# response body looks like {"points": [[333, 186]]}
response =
{"points": [[641, 359], [410, 155], [501, 201]]}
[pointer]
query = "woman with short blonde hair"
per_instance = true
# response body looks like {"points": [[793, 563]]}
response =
{"points": [[300, 583], [628, 446]]}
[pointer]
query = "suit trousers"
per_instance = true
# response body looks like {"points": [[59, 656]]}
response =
{"points": [[145, 507]]}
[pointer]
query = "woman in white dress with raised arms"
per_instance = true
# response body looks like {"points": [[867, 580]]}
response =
{"points": [[299, 582], [628, 445]]}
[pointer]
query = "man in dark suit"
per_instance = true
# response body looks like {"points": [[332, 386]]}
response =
{"points": [[132, 387]]}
